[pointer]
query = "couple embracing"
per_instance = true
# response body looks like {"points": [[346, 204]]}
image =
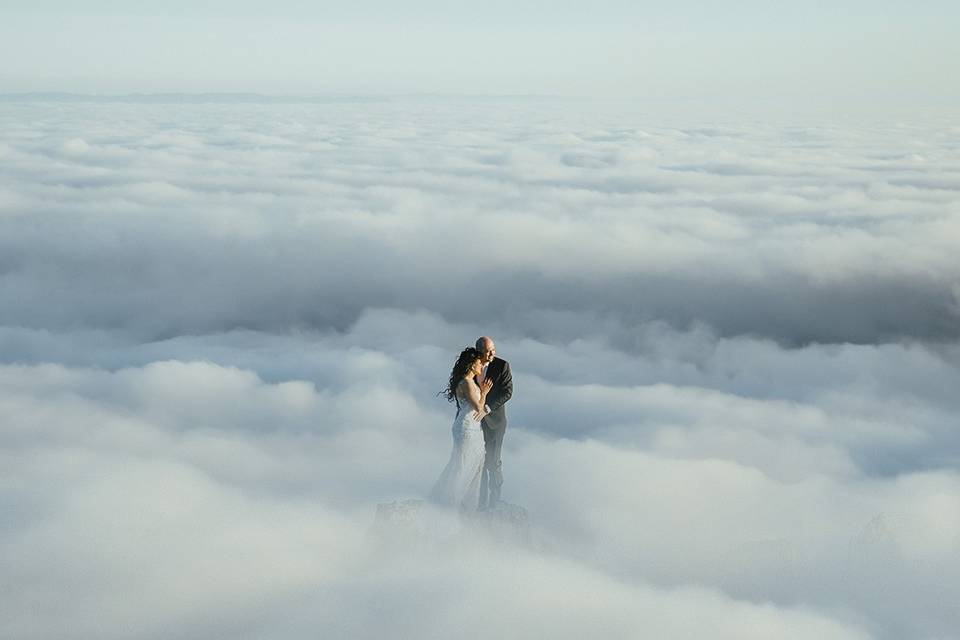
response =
{"points": [[480, 384]]}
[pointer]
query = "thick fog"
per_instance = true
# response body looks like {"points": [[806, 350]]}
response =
{"points": [[735, 341]]}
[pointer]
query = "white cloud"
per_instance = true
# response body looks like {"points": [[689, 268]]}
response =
{"points": [[169, 516], [164, 228], [223, 327]]}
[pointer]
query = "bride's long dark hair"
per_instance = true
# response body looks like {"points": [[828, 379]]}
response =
{"points": [[467, 357]]}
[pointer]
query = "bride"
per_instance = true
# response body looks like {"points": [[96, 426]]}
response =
{"points": [[459, 484]]}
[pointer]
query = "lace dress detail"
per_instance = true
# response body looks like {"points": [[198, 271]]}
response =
{"points": [[459, 484]]}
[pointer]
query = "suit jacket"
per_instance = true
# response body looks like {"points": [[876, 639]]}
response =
{"points": [[499, 371]]}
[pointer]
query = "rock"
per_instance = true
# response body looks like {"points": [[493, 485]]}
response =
{"points": [[398, 514], [875, 533], [399, 522], [414, 523], [505, 522], [876, 562]]}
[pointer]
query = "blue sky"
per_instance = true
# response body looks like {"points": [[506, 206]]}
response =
{"points": [[889, 50]]}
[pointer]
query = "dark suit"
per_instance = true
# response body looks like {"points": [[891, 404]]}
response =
{"points": [[494, 426]]}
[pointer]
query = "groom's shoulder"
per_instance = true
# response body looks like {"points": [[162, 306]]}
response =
{"points": [[501, 363]]}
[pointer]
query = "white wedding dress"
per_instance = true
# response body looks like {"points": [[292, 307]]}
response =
{"points": [[459, 484]]}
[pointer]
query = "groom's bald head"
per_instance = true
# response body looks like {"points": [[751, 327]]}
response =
{"points": [[486, 348]]}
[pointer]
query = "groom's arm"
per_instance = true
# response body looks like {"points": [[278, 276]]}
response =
{"points": [[503, 388]]}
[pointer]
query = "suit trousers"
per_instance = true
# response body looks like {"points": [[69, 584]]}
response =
{"points": [[491, 481]]}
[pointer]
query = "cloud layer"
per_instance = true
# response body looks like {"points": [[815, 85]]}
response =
{"points": [[184, 219], [223, 326]]}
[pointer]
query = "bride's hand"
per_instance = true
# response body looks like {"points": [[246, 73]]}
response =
{"points": [[486, 385]]}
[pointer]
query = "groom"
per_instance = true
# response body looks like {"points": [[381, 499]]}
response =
{"points": [[495, 423]]}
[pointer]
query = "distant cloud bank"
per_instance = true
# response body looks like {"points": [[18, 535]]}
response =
{"points": [[222, 328]]}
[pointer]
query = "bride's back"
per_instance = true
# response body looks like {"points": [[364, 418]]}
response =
{"points": [[464, 406]]}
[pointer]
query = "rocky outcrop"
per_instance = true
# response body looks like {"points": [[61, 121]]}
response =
{"points": [[505, 522], [419, 524]]}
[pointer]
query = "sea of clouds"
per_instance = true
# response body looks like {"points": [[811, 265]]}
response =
{"points": [[735, 342]]}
